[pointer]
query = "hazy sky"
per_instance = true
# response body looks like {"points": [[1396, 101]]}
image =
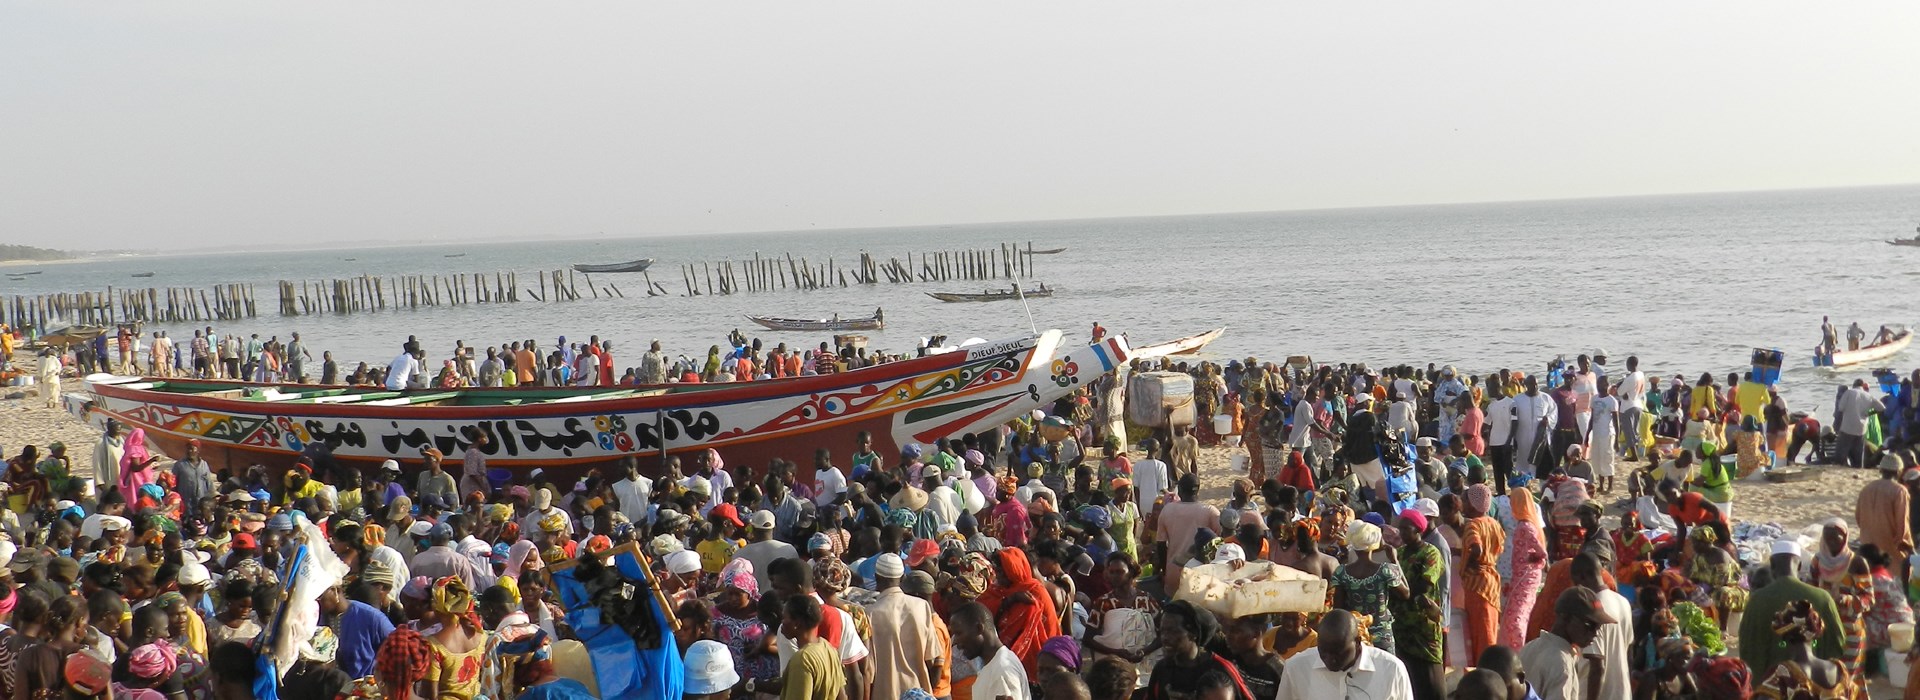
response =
{"points": [[153, 123]]}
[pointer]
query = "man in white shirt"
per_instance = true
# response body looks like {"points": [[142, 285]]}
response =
{"points": [[1535, 412], [401, 369], [1556, 666], [1611, 641], [1000, 674], [1500, 433], [1150, 480], [1632, 392], [1850, 415], [634, 492], [1302, 434], [1341, 667], [828, 482]]}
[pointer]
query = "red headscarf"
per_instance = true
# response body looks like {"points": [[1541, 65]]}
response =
{"points": [[1025, 622]]}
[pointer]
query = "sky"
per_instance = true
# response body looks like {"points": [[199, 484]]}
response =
{"points": [[177, 123]]}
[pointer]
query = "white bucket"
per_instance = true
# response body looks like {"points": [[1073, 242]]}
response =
{"points": [[1222, 424], [1897, 670], [1900, 636], [1240, 462], [1233, 440]]}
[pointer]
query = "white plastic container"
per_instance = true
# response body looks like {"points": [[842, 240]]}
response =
{"points": [[1240, 462], [1222, 424], [1900, 636], [1897, 670]]}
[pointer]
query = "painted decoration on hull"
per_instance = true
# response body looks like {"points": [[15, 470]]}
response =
{"points": [[990, 384]]}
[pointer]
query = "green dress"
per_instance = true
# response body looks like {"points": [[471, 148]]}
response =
{"points": [[1369, 596], [1124, 516], [1415, 635]]}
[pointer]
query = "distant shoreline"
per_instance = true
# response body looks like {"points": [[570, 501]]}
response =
{"points": [[61, 261]]}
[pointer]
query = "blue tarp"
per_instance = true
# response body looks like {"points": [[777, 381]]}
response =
{"points": [[622, 669]]}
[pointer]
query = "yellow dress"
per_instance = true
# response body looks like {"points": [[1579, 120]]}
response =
{"points": [[458, 675]]}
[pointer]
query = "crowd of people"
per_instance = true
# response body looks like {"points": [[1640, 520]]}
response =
{"points": [[214, 355], [1565, 535]]}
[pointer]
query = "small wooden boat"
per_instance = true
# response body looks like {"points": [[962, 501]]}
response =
{"points": [[455, 255], [994, 294], [878, 321], [1893, 346], [634, 266], [1050, 251], [574, 429], [142, 274], [1184, 346], [1906, 241]]}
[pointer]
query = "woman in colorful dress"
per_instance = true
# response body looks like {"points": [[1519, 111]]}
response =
{"points": [[1716, 576], [736, 623], [1480, 543], [1889, 598], [1418, 619], [1365, 586], [1124, 622], [1801, 675], [1849, 579], [1529, 567], [459, 647]]}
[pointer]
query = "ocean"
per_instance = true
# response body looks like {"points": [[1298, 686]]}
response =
{"points": [[1690, 283]]}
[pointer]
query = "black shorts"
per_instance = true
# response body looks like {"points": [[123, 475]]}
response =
{"points": [[200, 364]]}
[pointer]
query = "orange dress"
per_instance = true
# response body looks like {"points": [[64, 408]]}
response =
{"points": [[1482, 583]]}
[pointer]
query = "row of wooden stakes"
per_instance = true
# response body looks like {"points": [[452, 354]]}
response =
{"points": [[772, 273]]}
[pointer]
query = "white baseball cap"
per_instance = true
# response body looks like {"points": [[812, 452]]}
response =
{"points": [[193, 574], [709, 668], [762, 520]]}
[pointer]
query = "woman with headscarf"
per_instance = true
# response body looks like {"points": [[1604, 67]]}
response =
{"points": [[1125, 515], [1022, 608], [1366, 585], [737, 624], [1420, 618], [402, 662], [459, 647], [1186, 631], [1481, 542], [1800, 674], [1529, 566], [1849, 579], [136, 464], [831, 577]]}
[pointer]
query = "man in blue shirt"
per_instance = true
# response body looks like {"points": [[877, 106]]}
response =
{"points": [[359, 627]]}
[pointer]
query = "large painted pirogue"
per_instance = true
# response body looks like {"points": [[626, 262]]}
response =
{"points": [[570, 429]]}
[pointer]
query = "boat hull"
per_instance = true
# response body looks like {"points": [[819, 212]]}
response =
{"points": [[635, 266], [1184, 346], [750, 423], [996, 296], [1867, 354], [794, 324]]}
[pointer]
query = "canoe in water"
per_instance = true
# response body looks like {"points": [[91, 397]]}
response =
{"points": [[1869, 353]]}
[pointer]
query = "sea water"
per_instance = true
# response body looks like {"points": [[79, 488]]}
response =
{"points": [[1690, 283]]}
